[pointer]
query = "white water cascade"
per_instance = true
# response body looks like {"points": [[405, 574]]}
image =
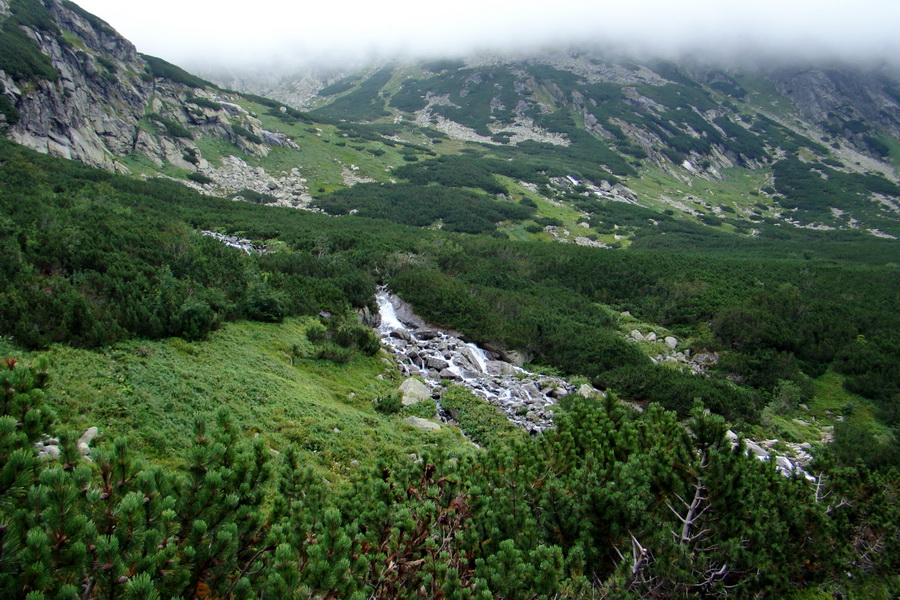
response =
{"points": [[436, 356], [526, 398], [389, 320]]}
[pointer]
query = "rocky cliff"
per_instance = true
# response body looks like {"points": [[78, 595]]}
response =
{"points": [[99, 100]]}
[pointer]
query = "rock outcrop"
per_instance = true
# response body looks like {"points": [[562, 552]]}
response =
{"points": [[414, 391], [90, 112], [105, 103]]}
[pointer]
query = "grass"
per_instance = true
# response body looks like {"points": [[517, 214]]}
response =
{"points": [[153, 391], [831, 396], [830, 404], [734, 189], [857, 587], [214, 149]]}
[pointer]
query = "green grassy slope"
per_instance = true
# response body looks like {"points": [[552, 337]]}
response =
{"points": [[152, 392]]}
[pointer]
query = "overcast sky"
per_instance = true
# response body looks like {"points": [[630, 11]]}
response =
{"points": [[194, 33]]}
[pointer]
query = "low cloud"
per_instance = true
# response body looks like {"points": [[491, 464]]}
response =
{"points": [[268, 33]]}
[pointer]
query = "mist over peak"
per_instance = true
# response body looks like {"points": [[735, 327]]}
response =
{"points": [[273, 36]]}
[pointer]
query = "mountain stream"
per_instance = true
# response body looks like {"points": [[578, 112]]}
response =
{"points": [[526, 398]]}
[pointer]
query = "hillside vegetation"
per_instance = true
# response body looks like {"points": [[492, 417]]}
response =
{"points": [[707, 262], [542, 298]]}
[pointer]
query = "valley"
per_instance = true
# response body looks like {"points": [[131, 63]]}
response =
{"points": [[507, 325]]}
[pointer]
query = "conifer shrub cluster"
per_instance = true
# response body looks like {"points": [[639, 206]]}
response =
{"points": [[157, 67], [609, 503], [365, 103], [424, 205], [388, 404], [204, 102], [200, 178], [93, 258], [246, 134], [480, 421], [340, 338], [20, 56]]}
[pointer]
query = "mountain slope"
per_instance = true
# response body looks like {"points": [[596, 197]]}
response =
{"points": [[694, 129], [75, 88], [315, 486], [572, 133]]}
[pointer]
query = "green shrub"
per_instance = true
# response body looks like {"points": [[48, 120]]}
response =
{"points": [[339, 86], [334, 352], [388, 403], [483, 423], [165, 70], [197, 320], [21, 58], [256, 197], [426, 409], [263, 304], [107, 64], [191, 155], [204, 102], [365, 103], [423, 205], [8, 110], [316, 333], [246, 134], [198, 177], [172, 127], [97, 23]]}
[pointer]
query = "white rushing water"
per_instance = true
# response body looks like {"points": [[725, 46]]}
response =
{"points": [[438, 357], [480, 356], [389, 320], [526, 398]]}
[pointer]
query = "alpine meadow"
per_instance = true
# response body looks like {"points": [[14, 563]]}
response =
{"points": [[566, 323]]}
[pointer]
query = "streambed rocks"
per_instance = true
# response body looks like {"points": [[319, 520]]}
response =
{"points": [[414, 391], [430, 358], [435, 356]]}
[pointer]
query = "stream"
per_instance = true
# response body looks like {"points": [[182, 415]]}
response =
{"points": [[526, 398]]}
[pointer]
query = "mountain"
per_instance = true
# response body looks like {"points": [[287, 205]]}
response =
{"points": [[727, 147], [75, 88], [796, 137]]}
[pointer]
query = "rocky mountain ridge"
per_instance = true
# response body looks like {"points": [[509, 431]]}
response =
{"points": [[812, 146], [603, 119]]}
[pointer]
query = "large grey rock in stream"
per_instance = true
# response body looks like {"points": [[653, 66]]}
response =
{"points": [[426, 334], [367, 318], [448, 374], [414, 391], [587, 391], [423, 424], [401, 334], [437, 364], [501, 368], [517, 357], [405, 313], [84, 442]]}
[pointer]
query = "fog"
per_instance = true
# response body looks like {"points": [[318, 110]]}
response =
{"points": [[272, 34]]}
